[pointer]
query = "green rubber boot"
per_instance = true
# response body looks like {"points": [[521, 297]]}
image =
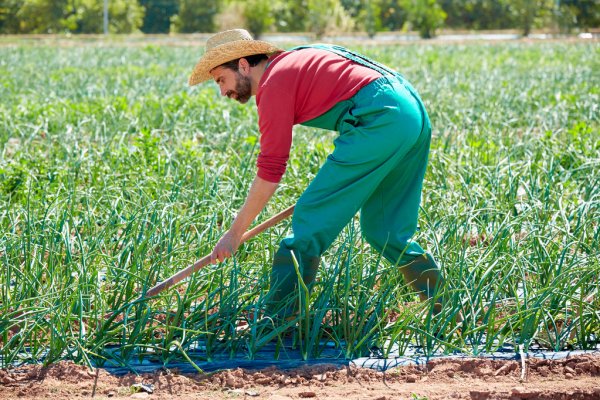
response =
{"points": [[423, 274], [282, 299]]}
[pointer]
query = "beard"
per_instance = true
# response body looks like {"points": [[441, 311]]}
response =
{"points": [[243, 89]]}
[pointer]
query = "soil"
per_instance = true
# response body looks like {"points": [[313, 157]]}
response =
{"points": [[576, 377]]}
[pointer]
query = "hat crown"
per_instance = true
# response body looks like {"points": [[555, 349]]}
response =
{"points": [[225, 46], [225, 37]]}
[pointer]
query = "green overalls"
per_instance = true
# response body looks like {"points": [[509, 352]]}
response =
{"points": [[377, 167]]}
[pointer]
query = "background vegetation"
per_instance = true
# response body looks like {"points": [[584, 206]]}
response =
{"points": [[115, 175], [317, 16]]}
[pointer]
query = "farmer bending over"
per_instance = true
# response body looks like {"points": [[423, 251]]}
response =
{"points": [[377, 166]]}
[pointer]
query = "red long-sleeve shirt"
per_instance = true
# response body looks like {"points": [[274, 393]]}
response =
{"points": [[296, 87]]}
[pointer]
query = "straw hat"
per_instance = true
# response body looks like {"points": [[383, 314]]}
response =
{"points": [[227, 46]]}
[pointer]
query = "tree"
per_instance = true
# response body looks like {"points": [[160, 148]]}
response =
{"points": [[370, 14], [157, 18], [527, 12], [9, 23], [317, 16], [195, 16], [391, 15], [478, 14], [584, 14], [123, 16], [588, 13], [326, 16], [376, 15], [259, 16], [424, 15], [290, 15], [78, 16], [44, 16]]}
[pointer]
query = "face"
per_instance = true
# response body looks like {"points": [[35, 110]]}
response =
{"points": [[233, 84]]}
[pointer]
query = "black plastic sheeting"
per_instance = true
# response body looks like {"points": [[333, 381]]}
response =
{"points": [[290, 357], [284, 357], [383, 364]]}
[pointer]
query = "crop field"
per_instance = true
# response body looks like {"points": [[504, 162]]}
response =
{"points": [[114, 175]]}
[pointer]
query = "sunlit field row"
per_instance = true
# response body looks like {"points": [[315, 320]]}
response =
{"points": [[114, 175]]}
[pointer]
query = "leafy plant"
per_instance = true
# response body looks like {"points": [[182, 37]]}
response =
{"points": [[115, 175]]}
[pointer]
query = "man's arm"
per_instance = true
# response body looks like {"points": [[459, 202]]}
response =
{"points": [[259, 194]]}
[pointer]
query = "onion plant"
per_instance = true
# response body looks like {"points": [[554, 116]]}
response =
{"points": [[114, 175]]}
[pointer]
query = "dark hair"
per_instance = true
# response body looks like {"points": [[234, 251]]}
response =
{"points": [[253, 60]]}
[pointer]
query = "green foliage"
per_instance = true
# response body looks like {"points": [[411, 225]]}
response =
{"points": [[13, 178], [124, 16], [115, 175], [370, 15], [572, 14], [157, 18], [392, 16], [424, 15], [195, 16], [78, 16], [320, 17], [373, 16], [526, 12], [43, 16], [259, 16], [587, 12], [9, 22], [364, 13], [478, 14], [290, 15], [327, 16]]}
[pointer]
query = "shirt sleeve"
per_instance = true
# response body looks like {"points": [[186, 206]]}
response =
{"points": [[275, 120]]}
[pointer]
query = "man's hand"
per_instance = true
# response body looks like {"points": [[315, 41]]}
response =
{"points": [[226, 246], [259, 194]]}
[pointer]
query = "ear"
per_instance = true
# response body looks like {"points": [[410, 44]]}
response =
{"points": [[244, 66]]}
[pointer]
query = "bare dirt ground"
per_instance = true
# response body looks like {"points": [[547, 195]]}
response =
{"points": [[577, 377]]}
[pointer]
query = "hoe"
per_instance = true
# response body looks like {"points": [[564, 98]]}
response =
{"points": [[204, 261]]}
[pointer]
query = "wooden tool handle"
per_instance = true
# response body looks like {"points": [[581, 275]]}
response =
{"points": [[204, 261]]}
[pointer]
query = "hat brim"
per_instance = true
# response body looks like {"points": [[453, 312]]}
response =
{"points": [[228, 52]]}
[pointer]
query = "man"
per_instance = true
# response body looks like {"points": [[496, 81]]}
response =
{"points": [[377, 166]]}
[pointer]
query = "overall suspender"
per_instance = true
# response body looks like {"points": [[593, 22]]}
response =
{"points": [[351, 55]]}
